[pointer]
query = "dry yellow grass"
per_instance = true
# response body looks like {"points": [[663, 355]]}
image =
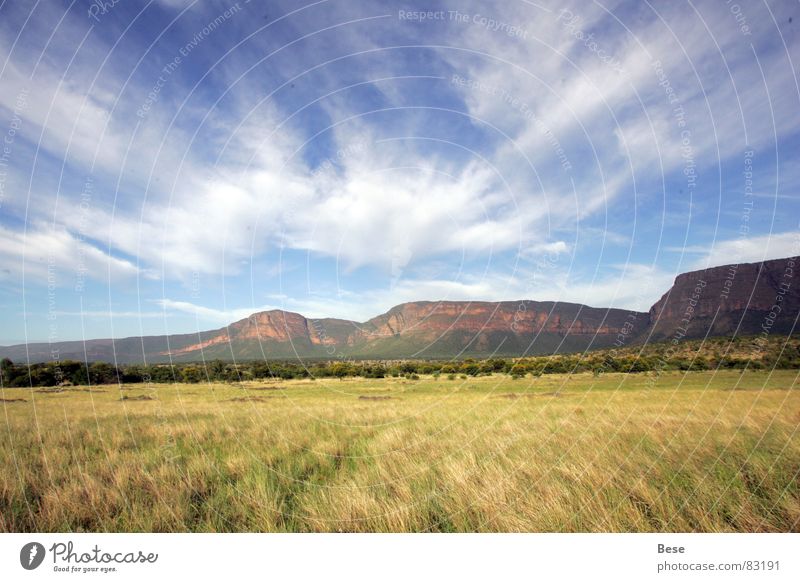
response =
{"points": [[694, 452]]}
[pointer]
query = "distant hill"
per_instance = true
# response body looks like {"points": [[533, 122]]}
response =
{"points": [[746, 299]]}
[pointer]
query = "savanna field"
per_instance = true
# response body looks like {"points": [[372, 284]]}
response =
{"points": [[695, 451]]}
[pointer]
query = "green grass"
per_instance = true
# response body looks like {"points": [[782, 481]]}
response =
{"points": [[679, 452]]}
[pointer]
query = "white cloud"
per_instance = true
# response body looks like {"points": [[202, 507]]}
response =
{"points": [[67, 116], [53, 256], [749, 250], [110, 315], [630, 286], [209, 314], [379, 215]]}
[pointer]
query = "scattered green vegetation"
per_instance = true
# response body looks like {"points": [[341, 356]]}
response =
{"points": [[669, 451], [739, 353]]}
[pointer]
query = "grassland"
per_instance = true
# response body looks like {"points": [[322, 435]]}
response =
{"points": [[697, 451]]}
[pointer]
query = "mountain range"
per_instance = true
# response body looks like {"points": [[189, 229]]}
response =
{"points": [[744, 299]]}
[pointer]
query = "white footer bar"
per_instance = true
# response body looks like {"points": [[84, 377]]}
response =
{"points": [[415, 557]]}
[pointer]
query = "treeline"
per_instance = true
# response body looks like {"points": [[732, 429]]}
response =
{"points": [[738, 353]]}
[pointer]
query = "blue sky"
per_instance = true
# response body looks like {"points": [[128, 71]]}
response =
{"points": [[170, 166]]}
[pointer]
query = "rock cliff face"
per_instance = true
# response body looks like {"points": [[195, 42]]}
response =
{"points": [[518, 316], [431, 329], [447, 328], [265, 327], [269, 329], [745, 299]]}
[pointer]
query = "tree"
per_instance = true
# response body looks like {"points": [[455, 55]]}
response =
{"points": [[132, 374], [217, 370], [191, 375], [6, 371], [102, 373], [470, 368], [498, 364], [342, 369]]}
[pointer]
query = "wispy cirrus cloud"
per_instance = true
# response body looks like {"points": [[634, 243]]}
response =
{"points": [[57, 257]]}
